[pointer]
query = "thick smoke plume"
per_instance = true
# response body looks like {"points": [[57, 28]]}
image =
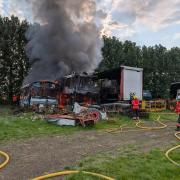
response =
{"points": [[64, 39]]}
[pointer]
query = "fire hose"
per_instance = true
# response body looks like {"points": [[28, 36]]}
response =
{"points": [[121, 130], [62, 173], [151, 128], [138, 125], [145, 128], [172, 149], [6, 156]]}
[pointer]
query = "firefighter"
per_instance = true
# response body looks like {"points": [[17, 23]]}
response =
{"points": [[178, 111], [15, 99], [135, 108], [131, 97]]}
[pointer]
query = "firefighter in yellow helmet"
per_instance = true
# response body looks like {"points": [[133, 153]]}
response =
{"points": [[135, 107]]}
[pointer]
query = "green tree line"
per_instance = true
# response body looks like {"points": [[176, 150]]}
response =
{"points": [[13, 61], [161, 65]]}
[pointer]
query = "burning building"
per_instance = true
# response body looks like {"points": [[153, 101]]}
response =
{"points": [[81, 88], [64, 38]]}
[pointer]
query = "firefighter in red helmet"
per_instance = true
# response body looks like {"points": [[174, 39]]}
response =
{"points": [[135, 108]]}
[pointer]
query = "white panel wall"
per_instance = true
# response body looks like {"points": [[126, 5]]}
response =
{"points": [[132, 83]]}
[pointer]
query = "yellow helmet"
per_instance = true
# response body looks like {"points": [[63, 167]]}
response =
{"points": [[134, 97]]}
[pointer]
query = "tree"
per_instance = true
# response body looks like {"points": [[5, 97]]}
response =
{"points": [[161, 66], [112, 51], [13, 61], [116, 53]]}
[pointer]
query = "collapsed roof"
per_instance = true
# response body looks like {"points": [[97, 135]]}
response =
{"points": [[110, 74]]}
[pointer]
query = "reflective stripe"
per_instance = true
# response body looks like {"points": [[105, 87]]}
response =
{"points": [[135, 107]]}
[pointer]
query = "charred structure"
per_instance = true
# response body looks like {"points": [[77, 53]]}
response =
{"points": [[40, 96], [81, 88], [119, 83], [109, 85]]}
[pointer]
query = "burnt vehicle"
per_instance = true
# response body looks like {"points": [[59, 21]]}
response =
{"points": [[82, 88], [40, 96]]}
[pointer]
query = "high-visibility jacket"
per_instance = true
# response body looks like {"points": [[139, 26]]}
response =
{"points": [[177, 107], [14, 98], [135, 104]]}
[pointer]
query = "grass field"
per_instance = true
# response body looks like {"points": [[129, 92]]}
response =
{"points": [[130, 164], [164, 116], [126, 163], [29, 125]]}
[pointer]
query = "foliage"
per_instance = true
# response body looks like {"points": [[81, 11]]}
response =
{"points": [[116, 53], [161, 66], [13, 61]]}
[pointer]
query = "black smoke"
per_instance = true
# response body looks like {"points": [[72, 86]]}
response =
{"points": [[64, 39]]}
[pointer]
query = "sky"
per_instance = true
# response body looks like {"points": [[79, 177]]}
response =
{"points": [[146, 22]]}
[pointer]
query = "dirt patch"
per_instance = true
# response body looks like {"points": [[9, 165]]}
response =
{"points": [[39, 156]]}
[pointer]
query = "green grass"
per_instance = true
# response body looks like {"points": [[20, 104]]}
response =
{"points": [[126, 164], [164, 117], [131, 165], [30, 125], [114, 121], [27, 125]]}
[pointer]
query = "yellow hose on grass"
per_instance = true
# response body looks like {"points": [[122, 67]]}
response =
{"points": [[151, 128], [172, 149], [6, 156], [137, 124], [142, 128], [63, 173]]}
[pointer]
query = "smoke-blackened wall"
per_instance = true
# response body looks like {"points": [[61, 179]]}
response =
{"points": [[65, 38]]}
